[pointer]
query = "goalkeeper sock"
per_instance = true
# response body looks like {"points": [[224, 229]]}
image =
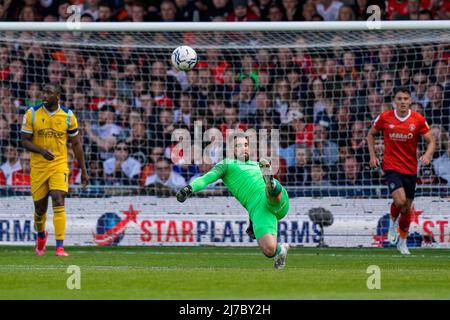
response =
{"points": [[275, 188], [39, 224], [278, 249], [59, 221]]}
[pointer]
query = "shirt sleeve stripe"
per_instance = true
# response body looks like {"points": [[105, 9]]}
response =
{"points": [[26, 131], [73, 134]]}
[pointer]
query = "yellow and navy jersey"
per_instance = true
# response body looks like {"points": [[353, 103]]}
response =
{"points": [[50, 131]]}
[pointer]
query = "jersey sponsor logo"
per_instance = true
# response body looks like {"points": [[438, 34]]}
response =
{"points": [[400, 136], [50, 133]]}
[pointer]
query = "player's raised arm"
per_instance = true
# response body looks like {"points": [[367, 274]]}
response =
{"points": [[374, 162], [425, 159], [217, 172]]}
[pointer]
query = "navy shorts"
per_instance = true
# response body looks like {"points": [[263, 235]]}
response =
{"points": [[397, 180]]}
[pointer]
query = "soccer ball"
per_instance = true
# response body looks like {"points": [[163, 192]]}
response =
{"points": [[184, 58]]}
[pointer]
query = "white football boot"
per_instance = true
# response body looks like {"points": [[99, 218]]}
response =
{"points": [[402, 247], [280, 259], [393, 231]]}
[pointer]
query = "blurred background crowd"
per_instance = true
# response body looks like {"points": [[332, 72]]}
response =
{"points": [[222, 10], [129, 100]]}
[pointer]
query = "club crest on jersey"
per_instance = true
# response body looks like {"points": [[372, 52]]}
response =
{"points": [[412, 127]]}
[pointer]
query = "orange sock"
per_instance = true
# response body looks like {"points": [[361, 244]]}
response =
{"points": [[405, 221]]}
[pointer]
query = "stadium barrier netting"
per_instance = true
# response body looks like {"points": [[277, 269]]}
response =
{"points": [[319, 88]]}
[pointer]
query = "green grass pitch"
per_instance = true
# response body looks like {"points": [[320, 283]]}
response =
{"points": [[223, 273]]}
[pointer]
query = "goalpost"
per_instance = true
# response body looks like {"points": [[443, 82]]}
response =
{"points": [[320, 84]]}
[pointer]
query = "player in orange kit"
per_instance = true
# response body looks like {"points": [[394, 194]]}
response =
{"points": [[402, 128]]}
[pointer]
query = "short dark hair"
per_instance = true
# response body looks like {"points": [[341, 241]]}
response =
{"points": [[53, 88], [402, 89]]}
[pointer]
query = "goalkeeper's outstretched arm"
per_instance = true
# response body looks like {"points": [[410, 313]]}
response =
{"points": [[202, 182]]}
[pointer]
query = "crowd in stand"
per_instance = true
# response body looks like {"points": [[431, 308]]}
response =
{"points": [[222, 10], [128, 101]]}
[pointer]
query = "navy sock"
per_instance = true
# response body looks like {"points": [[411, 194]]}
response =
{"points": [[59, 243], [41, 234]]}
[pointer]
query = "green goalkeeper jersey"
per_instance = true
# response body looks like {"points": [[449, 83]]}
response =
{"points": [[243, 179]]}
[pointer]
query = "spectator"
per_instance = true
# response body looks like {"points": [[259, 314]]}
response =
{"points": [[309, 12], [435, 111], [301, 57], [218, 8], [329, 9], [292, 10], [324, 150], [440, 137], [441, 165], [374, 108], [425, 65], [275, 13], [300, 174], [241, 12], [403, 76], [440, 74], [92, 7], [11, 164], [248, 69], [186, 11], [287, 145], [216, 64], [264, 109], [137, 12], [318, 178], [358, 142], [231, 121], [165, 175], [340, 132], [351, 174], [22, 177], [121, 169], [303, 131], [168, 12], [183, 114], [105, 12], [282, 99], [357, 103], [148, 169], [360, 9], [420, 82], [386, 86], [217, 108], [346, 13], [297, 84], [104, 135], [138, 142], [317, 100], [247, 102], [163, 130]]}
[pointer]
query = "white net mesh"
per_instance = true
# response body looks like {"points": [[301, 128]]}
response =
{"points": [[322, 90]]}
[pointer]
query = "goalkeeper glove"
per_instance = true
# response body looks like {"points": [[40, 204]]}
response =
{"points": [[184, 193]]}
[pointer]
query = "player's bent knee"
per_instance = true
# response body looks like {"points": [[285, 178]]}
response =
{"points": [[269, 250]]}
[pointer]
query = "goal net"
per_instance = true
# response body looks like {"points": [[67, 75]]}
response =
{"points": [[307, 97]]}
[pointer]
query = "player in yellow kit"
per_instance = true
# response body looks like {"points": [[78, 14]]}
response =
{"points": [[45, 129]]}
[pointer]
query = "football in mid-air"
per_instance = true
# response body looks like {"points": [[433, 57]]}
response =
{"points": [[184, 58]]}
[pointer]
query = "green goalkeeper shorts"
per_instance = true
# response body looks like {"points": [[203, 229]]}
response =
{"points": [[265, 215]]}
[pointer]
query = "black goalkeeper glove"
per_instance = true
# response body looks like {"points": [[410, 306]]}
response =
{"points": [[184, 193]]}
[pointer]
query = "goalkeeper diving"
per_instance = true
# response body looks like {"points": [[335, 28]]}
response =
{"points": [[253, 185]]}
